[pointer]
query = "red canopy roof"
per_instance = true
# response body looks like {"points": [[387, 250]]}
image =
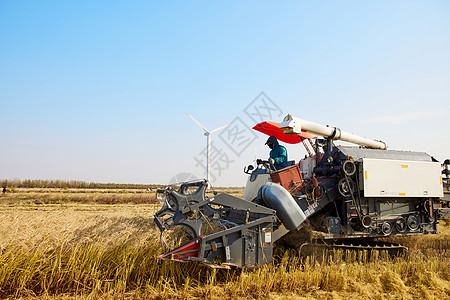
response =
{"points": [[273, 128]]}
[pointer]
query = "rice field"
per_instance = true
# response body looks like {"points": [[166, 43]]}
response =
{"points": [[75, 244]]}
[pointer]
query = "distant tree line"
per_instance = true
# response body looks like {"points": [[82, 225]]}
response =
{"points": [[40, 183]]}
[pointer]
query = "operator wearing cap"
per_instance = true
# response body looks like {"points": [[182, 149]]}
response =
{"points": [[278, 154]]}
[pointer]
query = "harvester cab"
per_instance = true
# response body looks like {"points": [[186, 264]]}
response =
{"points": [[349, 196]]}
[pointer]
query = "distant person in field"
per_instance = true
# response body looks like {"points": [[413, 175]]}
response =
{"points": [[4, 190], [278, 154]]}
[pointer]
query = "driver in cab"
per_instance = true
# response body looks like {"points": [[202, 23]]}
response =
{"points": [[278, 154]]}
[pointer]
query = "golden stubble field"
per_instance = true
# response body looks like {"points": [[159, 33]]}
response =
{"points": [[103, 244]]}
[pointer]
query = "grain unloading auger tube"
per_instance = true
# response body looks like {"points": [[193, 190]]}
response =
{"points": [[293, 125], [349, 195]]}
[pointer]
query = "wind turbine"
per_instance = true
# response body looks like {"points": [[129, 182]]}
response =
{"points": [[208, 142]]}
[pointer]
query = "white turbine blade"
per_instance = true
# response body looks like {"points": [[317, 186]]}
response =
{"points": [[198, 123], [217, 129]]}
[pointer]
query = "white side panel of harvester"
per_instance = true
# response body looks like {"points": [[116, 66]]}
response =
{"points": [[397, 178]]}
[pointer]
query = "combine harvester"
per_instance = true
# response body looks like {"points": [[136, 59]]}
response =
{"points": [[351, 196]]}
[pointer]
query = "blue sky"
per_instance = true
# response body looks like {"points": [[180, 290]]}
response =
{"points": [[98, 90]]}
